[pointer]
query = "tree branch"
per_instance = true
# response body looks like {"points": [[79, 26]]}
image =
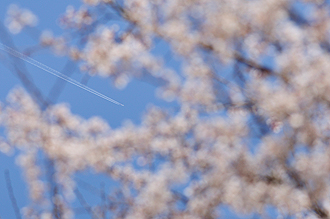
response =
{"points": [[11, 195]]}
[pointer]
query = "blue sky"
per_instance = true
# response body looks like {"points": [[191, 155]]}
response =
{"points": [[136, 96]]}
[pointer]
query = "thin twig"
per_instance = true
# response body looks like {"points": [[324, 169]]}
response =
{"points": [[85, 79], [23, 74], [59, 85], [104, 203], [11, 195], [87, 186], [84, 204], [253, 64], [53, 188]]}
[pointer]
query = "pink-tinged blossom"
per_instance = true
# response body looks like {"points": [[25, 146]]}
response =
{"points": [[18, 18], [246, 133]]}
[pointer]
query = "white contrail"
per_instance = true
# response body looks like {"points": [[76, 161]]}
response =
{"points": [[54, 72]]}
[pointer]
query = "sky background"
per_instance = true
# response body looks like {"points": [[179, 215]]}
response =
{"points": [[136, 97]]}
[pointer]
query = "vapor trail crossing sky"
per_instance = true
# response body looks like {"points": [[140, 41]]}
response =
{"points": [[54, 72]]}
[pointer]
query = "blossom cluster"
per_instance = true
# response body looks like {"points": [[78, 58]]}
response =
{"points": [[18, 18], [252, 128]]}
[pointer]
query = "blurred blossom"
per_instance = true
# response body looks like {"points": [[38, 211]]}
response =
{"points": [[46, 38], [245, 132], [5, 147], [18, 18], [92, 2], [57, 44], [77, 18]]}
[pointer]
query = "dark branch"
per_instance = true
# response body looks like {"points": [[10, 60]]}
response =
{"points": [[253, 65], [22, 73], [60, 83], [83, 203], [11, 195]]}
